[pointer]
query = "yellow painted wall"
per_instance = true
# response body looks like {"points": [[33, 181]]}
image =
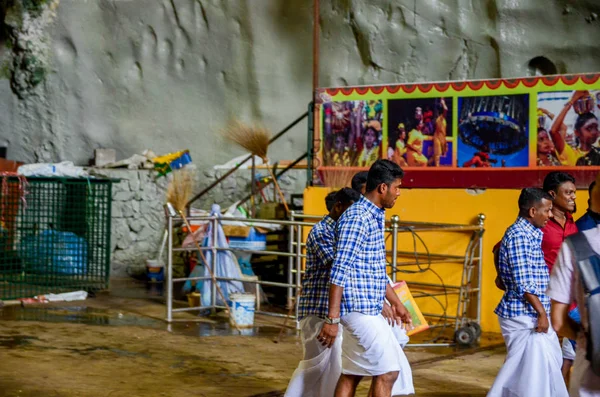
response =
{"points": [[450, 206]]}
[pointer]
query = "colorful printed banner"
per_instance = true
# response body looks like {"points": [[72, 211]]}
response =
{"points": [[496, 133]]}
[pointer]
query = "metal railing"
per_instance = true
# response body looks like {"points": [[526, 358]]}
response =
{"points": [[471, 263], [294, 256]]}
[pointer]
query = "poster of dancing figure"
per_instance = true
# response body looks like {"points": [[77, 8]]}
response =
{"points": [[420, 132]]}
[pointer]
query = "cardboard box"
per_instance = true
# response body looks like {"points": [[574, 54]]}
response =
{"points": [[271, 211], [236, 231]]}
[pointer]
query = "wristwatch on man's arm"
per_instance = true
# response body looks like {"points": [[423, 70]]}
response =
{"points": [[330, 320]]}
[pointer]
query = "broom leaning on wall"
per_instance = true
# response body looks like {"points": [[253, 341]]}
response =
{"points": [[254, 139]]}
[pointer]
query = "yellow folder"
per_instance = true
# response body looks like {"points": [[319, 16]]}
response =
{"points": [[418, 321]]}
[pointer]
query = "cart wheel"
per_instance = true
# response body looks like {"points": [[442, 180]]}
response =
{"points": [[476, 329], [465, 336]]}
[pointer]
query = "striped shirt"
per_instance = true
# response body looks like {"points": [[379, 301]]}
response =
{"points": [[360, 261], [523, 269], [320, 246]]}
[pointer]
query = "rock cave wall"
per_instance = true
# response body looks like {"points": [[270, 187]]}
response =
{"points": [[167, 75]]}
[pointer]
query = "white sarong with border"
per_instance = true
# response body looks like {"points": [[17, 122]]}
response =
{"points": [[370, 348], [318, 373], [533, 362]]}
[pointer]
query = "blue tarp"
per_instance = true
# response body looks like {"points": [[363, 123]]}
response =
{"points": [[54, 252]]}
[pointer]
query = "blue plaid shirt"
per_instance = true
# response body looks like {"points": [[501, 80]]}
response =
{"points": [[523, 270], [320, 250], [360, 261]]}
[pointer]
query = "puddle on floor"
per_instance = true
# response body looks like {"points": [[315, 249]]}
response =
{"points": [[76, 314], [105, 317], [14, 341]]}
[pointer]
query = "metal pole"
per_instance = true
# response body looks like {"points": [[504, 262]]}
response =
{"points": [[290, 262], [481, 220], [316, 18], [253, 188], [257, 288], [310, 142], [395, 222], [315, 113], [213, 292], [169, 269], [461, 307], [298, 269]]}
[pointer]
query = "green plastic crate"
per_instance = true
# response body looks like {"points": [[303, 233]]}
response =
{"points": [[56, 238]]}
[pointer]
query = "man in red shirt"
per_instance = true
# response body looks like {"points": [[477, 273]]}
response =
{"points": [[561, 186]]}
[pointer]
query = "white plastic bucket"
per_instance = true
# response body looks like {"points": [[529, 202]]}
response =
{"points": [[154, 264], [242, 309]]}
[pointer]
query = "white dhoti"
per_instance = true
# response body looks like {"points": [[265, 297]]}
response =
{"points": [[318, 373], [370, 348], [532, 365], [568, 352]]}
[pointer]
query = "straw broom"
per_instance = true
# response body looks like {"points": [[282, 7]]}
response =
{"points": [[336, 179], [254, 139], [179, 192]]}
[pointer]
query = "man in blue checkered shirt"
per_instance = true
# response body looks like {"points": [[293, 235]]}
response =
{"points": [[534, 358], [320, 365], [320, 251], [359, 285]]}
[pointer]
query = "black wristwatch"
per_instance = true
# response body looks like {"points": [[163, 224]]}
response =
{"points": [[330, 320]]}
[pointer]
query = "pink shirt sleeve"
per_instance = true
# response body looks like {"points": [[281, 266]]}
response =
{"points": [[561, 287]]}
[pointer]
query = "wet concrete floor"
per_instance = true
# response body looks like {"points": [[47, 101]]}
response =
{"points": [[118, 345]]}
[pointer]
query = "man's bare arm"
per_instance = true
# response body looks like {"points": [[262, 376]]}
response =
{"points": [[560, 320], [329, 331], [399, 308], [335, 300], [543, 323]]}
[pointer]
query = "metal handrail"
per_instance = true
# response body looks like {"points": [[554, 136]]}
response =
{"points": [[249, 157], [295, 255]]}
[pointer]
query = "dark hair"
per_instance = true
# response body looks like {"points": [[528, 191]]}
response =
{"points": [[359, 180], [330, 200], [383, 171], [530, 197], [553, 180], [591, 188], [347, 196], [540, 129], [582, 119]]}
